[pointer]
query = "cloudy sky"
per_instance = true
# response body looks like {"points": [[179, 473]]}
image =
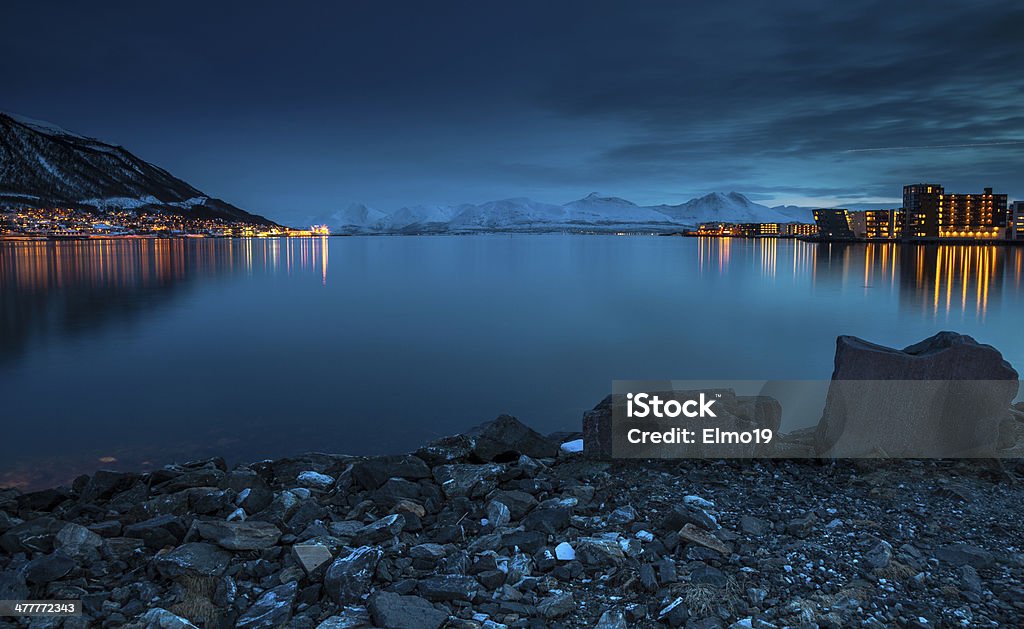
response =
{"points": [[293, 109]]}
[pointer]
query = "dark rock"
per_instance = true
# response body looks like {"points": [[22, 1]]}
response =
{"points": [[78, 542], [43, 500], [254, 535], [755, 526], [311, 556], [548, 520], [969, 579], [12, 586], [506, 438], [879, 555], [47, 568], [158, 532], [195, 558], [965, 554], [491, 579], [519, 503], [272, 609], [373, 473], [34, 535], [963, 394], [802, 526], [379, 531], [708, 575], [647, 579], [448, 587], [466, 480], [394, 611], [598, 551], [557, 605], [349, 577]]}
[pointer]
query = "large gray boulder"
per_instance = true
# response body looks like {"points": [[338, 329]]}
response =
{"points": [[943, 397]]}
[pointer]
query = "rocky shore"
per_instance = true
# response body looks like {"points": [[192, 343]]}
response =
{"points": [[503, 527]]}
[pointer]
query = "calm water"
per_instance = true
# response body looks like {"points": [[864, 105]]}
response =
{"points": [[134, 353]]}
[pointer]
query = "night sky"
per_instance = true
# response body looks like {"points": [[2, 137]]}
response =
{"points": [[295, 109]]}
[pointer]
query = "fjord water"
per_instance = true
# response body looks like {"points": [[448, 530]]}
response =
{"points": [[133, 353]]}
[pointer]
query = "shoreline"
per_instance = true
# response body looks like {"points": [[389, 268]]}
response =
{"points": [[501, 526]]}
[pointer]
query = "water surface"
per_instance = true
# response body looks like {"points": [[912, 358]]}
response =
{"points": [[134, 353]]}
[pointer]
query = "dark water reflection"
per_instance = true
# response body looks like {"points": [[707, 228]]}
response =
{"points": [[146, 351]]}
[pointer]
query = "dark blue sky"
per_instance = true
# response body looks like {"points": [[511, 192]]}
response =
{"points": [[292, 109]]}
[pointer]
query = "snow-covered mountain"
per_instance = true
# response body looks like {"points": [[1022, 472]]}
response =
{"points": [[591, 213], [43, 164]]}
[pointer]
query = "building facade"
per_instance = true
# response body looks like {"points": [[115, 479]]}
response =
{"points": [[932, 213], [1015, 226]]}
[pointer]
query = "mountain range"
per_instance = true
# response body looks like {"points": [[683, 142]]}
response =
{"points": [[591, 213], [42, 164]]}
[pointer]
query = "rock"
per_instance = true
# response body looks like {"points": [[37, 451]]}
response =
{"points": [[105, 483], [380, 530], [963, 392], [599, 551], [448, 587], [464, 480], [12, 586], [31, 536], [965, 554], [506, 438], [802, 526], [349, 577], [311, 555], [597, 430], [158, 532], [548, 520], [572, 447], [394, 611], [247, 535], [348, 618], [879, 555], [755, 526], [498, 514], [675, 613], [565, 552], [46, 568], [556, 605], [272, 609], [612, 619], [519, 503], [159, 618], [315, 480], [622, 516], [195, 558], [429, 551], [969, 579], [373, 473], [693, 534], [78, 542], [648, 580], [708, 575]]}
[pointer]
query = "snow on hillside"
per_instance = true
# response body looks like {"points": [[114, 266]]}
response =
{"points": [[591, 212]]}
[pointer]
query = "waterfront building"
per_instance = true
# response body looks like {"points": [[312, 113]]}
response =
{"points": [[800, 229], [1016, 222], [882, 224], [931, 213], [839, 223]]}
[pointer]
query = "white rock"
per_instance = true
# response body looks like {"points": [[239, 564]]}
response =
{"points": [[645, 536], [573, 446], [316, 480], [697, 501], [565, 552]]}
